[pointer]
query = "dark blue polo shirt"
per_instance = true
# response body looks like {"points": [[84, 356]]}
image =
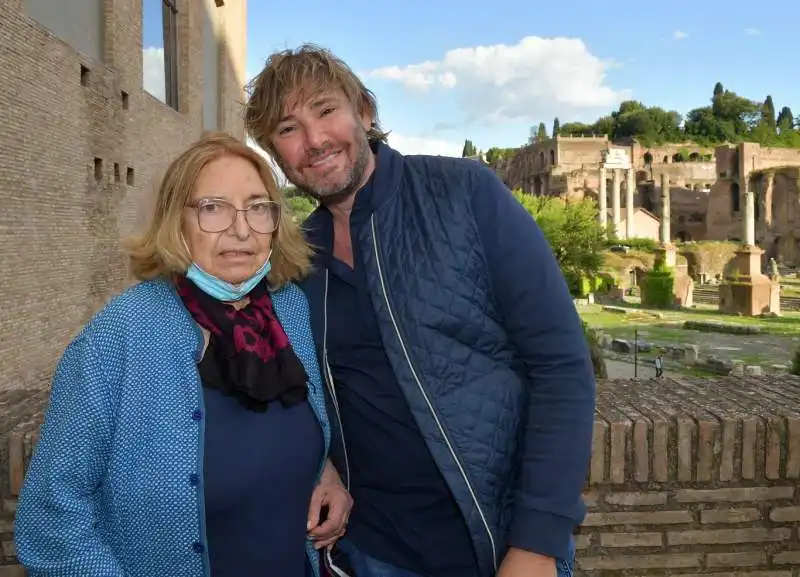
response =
{"points": [[403, 512]]}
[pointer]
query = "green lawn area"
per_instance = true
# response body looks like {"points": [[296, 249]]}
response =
{"points": [[776, 342], [790, 286], [786, 325]]}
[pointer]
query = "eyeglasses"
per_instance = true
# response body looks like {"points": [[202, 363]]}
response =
{"points": [[214, 215]]}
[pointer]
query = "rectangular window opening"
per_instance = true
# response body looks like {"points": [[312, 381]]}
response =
{"points": [[98, 169], [170, 16], [117, 175], [84, 75], [125, 100], [160, 43], [129, 176]]}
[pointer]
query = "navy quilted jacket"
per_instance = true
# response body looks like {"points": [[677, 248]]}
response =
{"points": [[482, 333]]}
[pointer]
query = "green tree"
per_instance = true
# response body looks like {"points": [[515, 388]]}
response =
{"points": [[785, 119], [541, 133], [572, 229], [300, 207], [768, 114], [469, 149], [730, 118], [556, 128]]}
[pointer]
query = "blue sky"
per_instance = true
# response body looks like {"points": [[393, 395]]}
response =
{"points": [[668, 54], [575, 60]]}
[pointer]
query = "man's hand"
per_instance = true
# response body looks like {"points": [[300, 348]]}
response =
{"points": [[521, 563], [330, 493]]}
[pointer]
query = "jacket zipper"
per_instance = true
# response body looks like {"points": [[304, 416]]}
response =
{"points": [[425, 394], [326, 369]]}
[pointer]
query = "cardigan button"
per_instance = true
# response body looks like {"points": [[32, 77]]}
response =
{"points": [[194, 479], [198, 547], [197, 414]]}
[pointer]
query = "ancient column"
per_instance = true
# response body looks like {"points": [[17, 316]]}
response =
{"points": [[631, 187], [767, 190], [615, 200], [749, 233], [665, 235], [603, 199]]}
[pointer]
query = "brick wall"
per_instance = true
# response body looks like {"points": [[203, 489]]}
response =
{"points": [[688, 477], [694, 477], [81, 142], [68, 142]]}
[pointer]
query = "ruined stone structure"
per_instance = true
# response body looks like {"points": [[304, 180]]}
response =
{"points": [[687, 477], [745, 289], [81, 141], [570, 167], [773, 175], [666, 254], [616, 161]]}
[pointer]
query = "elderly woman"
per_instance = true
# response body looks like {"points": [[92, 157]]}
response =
{"points": [[187, 429]]}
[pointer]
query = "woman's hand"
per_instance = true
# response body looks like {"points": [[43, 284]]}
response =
{"points": [[329, 494]]}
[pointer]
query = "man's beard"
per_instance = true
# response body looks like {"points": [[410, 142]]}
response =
{"points": [[337, 193]]}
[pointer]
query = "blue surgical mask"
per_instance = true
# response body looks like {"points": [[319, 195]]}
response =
{"points": [[223, 290]]}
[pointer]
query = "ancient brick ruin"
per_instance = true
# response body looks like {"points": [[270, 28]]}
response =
{"points": [[706, 186], [688, 477]]}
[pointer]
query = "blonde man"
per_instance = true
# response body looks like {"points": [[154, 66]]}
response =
{"points": [[457, 372]]}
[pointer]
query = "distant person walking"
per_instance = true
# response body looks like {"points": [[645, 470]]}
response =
{"points": [[659, 362]]}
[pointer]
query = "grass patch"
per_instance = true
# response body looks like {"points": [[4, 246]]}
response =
{"points": [[786, 325]]}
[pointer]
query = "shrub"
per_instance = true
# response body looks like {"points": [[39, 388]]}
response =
{"points": [[642, 244], [657, 288]]}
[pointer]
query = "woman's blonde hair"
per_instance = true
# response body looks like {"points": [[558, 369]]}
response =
{"points": [[161, 251], [303, 73]]}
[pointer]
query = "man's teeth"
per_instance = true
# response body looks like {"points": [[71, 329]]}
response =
{"points": [[325, 159]]}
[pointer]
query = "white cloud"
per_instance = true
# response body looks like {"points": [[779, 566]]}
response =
{"points": [[752, 31], [535, 78], [679, 35], [153, 74], [422, 145]]}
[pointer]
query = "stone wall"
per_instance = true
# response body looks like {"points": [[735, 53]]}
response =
{"points": [[81, 141], [694, 477], [773, 174], [688, 477]]}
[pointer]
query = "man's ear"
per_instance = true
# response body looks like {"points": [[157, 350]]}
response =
{"points": [[366, 120]]}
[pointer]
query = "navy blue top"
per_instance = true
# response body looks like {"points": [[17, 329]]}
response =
{"points": [[403, 512], [260, 470]]}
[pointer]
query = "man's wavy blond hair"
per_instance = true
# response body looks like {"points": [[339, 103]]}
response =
{"points": [[301, 74], [161, 252]]}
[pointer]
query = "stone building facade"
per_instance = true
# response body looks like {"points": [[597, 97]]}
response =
{"points": [[773, 175], [569, 166], [81, 143]]}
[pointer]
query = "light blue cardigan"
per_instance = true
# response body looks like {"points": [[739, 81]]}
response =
{"points": [[114, 488]]}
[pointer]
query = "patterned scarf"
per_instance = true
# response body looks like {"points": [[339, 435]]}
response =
{"points": [[251, 357]]}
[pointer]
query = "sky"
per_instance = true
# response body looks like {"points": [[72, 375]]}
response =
{"points": [[444, 71]]}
